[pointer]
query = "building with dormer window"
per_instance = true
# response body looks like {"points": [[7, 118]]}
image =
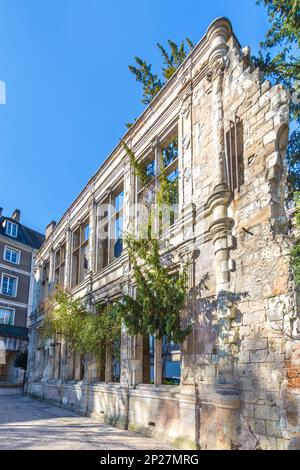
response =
{"points": [[18, 246]]}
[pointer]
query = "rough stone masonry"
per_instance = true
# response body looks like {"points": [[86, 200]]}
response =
{"points": [[239, 380]]}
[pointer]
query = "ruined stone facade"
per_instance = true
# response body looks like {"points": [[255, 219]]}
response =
{"points": [[239, 383]]}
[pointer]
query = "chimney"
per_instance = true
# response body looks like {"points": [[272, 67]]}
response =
{"points": [[49, 229], [16, 215]]}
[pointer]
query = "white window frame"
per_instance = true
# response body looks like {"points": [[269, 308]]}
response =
{"points": [[9, 227], [6, 247], [13, 277], [13, 314]]}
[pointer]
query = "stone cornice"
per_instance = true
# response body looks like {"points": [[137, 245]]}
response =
{"points": [[211, 43]]}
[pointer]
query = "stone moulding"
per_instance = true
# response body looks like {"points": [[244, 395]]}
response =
{"points": [[237, 356]]}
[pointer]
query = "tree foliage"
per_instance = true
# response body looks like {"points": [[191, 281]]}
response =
{"points": [[158, 304], [84, 331], [151, 82], [159, 300], [279, 59], [295, 252]]}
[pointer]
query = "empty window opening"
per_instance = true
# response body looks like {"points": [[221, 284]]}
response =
{"points": [[235, 154]]}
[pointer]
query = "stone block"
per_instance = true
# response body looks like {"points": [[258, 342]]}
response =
{"points": [[267, 412], [259, 356], [255, 343], [269, 137], [248, 411], [273, 428], [254, 317]]}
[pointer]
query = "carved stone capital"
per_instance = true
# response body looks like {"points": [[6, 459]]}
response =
{"points": [[217, 68], [220, 229], [221, 195]]}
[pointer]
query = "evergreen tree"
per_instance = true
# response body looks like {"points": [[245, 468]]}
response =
{"points": [[279, 59], [152, 83]]}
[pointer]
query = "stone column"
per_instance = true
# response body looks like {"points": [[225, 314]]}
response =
{"points": [[51, 271], [68, 264], [92, 234], [226, 398], [185, 160], [110, 231], [78, 366], [185, 149], [189, 406], [158, 362], [57, 359], [129, 197], [158, 169], [108, 362], [218, 35], [63, 360]]}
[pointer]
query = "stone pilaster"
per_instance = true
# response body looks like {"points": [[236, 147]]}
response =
{"points": [[129, 192], [68, 263], [226, 398], [158, 362], [51, 271], [218, 36], [185, 151], [92, 234]]}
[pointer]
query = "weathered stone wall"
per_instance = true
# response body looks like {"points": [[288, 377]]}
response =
{"points": [[240, 365]]}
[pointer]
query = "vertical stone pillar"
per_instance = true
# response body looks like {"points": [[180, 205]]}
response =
{"points": [[51, 272], [37, 292], [158, 362], [108, 362], [68, 261], [226, 399], [78, 366], [185, 150], [185, 160], [92, 234], [70, 364], [135, 353], [63, 360], [218, 35], [110, 231], [100, 365], [155, 228], [129, 198], [57, 359], [189, 405]]}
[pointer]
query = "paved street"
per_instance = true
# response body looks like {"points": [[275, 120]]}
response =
{"points": [[30, 424]]}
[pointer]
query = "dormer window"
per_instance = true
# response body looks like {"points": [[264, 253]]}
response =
{"points": [[11, 229]]}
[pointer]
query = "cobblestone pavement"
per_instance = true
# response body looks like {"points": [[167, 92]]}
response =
{"points": [[31, 424]]}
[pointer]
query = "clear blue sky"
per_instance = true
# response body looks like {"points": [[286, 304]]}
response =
{"points": [[69, 91]]}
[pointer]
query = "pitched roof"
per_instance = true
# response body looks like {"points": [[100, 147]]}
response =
{"points": [[25, 235]]}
